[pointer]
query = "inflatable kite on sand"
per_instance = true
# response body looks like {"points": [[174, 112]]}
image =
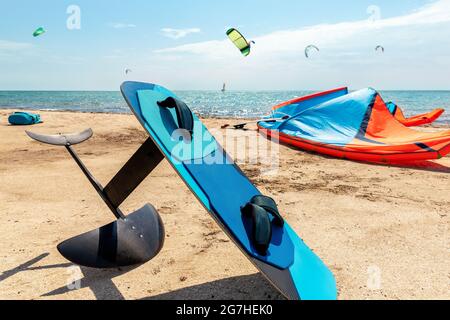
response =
{"points": [[419, 120], [356, 126]]}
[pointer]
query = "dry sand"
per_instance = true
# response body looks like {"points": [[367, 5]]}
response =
{"points": [[359, 218]]}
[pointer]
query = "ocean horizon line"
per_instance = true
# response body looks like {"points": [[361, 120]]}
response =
{"points": [[233, 103], [231, 90]]}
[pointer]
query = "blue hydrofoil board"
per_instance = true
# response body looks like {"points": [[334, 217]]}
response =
{"points": [[224, 190]]}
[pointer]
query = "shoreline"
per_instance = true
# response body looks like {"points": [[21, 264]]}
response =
{"points": [[436, 124], [6, 109]]}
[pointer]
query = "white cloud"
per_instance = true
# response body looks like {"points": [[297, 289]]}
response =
{"points": [[10, 50], [13, 46], [178, 33], [328, 35], [121, 25], [415, 45]]}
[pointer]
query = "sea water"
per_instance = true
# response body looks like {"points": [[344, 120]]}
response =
{"points": [[239, 104]]}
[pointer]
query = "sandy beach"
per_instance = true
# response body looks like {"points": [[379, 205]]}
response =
{"points": [[363, 220]]}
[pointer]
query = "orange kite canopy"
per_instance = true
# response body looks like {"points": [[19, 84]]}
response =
{"points": [[356, 126], [419, 120]]}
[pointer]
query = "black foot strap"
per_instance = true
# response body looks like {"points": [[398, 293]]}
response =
{"points": [[259, 210], [184, 114], [270, 206]]}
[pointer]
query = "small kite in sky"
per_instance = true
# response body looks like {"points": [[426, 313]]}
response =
{"points": [[239, 41], [308, 50], [379, 48], [38, 32]]}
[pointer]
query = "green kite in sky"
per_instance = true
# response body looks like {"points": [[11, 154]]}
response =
{"points": [[239, 41], [39, 31]]}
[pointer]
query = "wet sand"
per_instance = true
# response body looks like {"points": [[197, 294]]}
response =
{"points": [[382, 230]]}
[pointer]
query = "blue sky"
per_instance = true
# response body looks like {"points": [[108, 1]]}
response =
{"points": [[182, 44]]}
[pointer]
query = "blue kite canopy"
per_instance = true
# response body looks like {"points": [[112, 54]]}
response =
{"points": [[357, 126]]}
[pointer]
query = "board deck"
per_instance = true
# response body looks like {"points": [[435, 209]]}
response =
{"points": [[223, 189]]}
